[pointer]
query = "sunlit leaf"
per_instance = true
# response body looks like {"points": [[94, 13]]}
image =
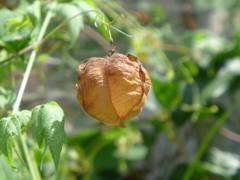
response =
{"points": [[216, 87], [48, 126], [66, 11], [191, 67], [34, 11], [178, 115], [224, 56], [220, 84], [10, 127], [6, 172], [168, 94], [14, 24], [205, 46], [135, 153], [222, 163], [22, 170], [7, 96], [88, 6], [94, 16], [185, 73], [34, 14], [4, 14], [14, 29]]}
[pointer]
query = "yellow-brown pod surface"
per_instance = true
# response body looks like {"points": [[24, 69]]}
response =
{"points": [[113, 88]]}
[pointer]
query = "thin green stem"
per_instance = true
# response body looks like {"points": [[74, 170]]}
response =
{"points": [[208, 138], [33, 171], [19, 157], [31, 61], [112, 9], [91, 157], [172, 134], [12, 82], [170, 72], [175, 138]]}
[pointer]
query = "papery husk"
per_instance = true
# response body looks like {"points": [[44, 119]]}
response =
{"points": [[112, 89]]}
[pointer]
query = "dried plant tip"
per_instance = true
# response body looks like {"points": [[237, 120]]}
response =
{"points": [[112, 89], [131, 57], [112, 51]]}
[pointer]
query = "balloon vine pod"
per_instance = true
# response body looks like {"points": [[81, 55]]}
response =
{"points": [[113, 88]]}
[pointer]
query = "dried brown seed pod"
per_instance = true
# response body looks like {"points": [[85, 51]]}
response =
{"points": [[113, 88]]}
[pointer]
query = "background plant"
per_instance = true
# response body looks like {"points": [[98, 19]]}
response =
{"points": [[189, 126]]}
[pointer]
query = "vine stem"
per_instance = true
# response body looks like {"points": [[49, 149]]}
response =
{"points": [[34, 173], [208, 138], [173, 136], [176, 139], [40, 41], [32, 59]]}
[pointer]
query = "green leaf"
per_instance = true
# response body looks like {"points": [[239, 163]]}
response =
{"points": [[187, 69], [191, 66], [10, 127], [14, 29], [135, 153], [216, 87], [105, 151], [198, 174], [34, 14], [6, 172], [206, 5], [222, 163], [7, 132], [220, 83], [88, 5], [224, 56], [48, 126], [22, 170], [185, 73], [158, 11], [205, 46], [66, 11], [7, 96], [53, 103], [168, 94], [4, 14], [25, 116], [14, 24], [178, 115]]}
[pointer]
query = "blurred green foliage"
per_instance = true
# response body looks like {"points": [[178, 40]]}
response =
{"points": [[192, 54]]}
